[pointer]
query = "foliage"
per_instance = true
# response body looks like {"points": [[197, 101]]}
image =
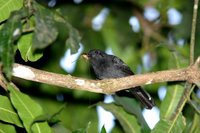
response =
{"points": [[34, 34]]}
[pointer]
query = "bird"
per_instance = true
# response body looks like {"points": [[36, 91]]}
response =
{"points": [[107, 66]]}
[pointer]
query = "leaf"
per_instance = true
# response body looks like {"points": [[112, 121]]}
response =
{"points": [[41, 127], [131, 106], [103, 130], [9, 33], [171, 100], [83, 130], [6, 128], [162, 126], [45, 32], [51, 118], [127, 121], [28, 110], [58, 128], [80, 131], [25, 48], [74, 37], [8, 113], [179, 124], [1, 26], [7, 6], [167, 126], [195, 124], [73, 40]]}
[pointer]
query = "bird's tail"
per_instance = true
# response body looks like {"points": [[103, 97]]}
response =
{"points": [[143, 96]]}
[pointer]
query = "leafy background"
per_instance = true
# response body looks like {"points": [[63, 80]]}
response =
{"points": [[38, 35]]}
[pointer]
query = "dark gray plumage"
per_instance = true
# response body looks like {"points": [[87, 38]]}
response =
{"points": [[109, 66]]}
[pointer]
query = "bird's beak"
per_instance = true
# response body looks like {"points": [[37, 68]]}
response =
{"points": [[85, 56]]}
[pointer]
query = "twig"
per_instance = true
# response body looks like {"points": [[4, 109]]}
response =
{"points": [[184, 98], [3, 82], [190, 74], [189, 86], [193, 104], [192, 41]]}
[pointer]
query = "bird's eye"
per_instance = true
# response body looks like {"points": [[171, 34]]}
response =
{"points": [[97, 52]]}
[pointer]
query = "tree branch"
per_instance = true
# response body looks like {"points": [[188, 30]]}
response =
{"points": [[190, 74], [2, 81]]}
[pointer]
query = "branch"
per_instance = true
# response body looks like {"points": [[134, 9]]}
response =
{"points": [[190, 74], [3, 81], [192, 41]]}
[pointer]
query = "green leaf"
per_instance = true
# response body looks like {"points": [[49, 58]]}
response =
{"points": [[25, 48], [41, 127], [8, 113], [162, 126], [82, 130], [179, 124], [133, 107], [6, 128], [171, 100], [28, 110], [45, 32], [73, 35], [58, 128], [51, 118], [195, 128], [9, 33], [167, 126], [7, 6], [103, 130], [73, 40], [1, 26], [127, 121]]}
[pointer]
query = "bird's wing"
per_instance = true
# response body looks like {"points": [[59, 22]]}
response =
{"points": [[122, 66]]}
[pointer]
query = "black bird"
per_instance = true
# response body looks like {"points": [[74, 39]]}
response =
{"points": [[109, 66]]}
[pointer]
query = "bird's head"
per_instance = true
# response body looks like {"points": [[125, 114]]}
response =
{"points": [[94, 56]]}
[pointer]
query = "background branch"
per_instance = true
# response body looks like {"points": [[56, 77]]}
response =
{"points": [[193, 31], [190, 74]]}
